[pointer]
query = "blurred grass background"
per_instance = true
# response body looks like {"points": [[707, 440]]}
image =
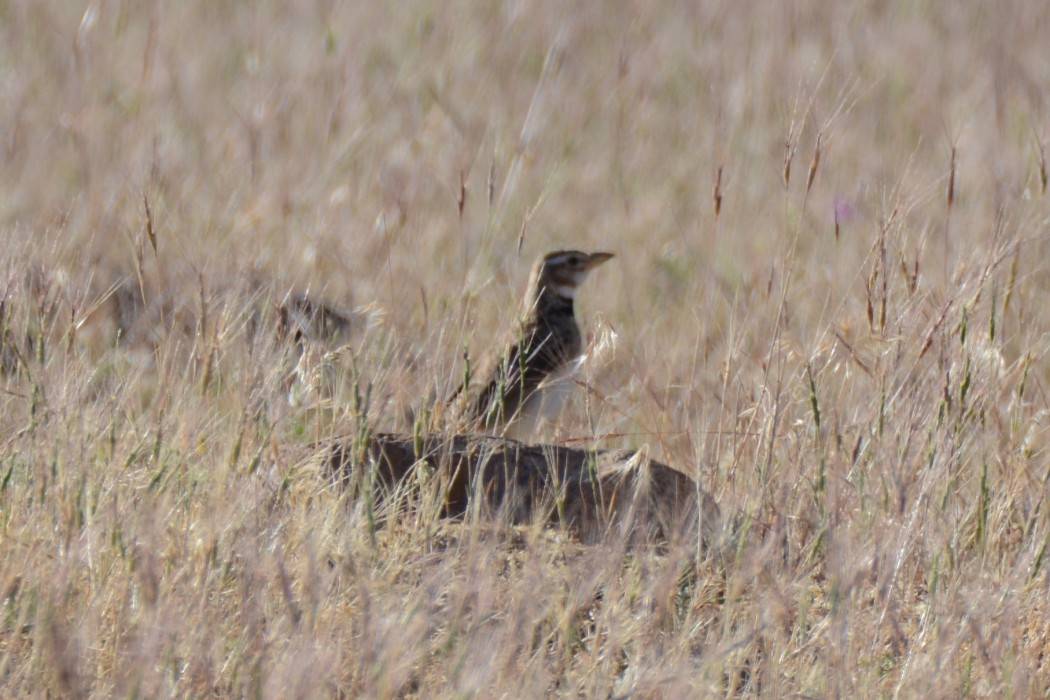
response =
{"points": [[828, 303]]}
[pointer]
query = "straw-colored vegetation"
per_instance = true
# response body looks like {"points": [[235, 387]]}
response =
{"points": [[829, 307]]}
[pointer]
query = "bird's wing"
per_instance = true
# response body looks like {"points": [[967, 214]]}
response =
{"points": [[516, 374]]}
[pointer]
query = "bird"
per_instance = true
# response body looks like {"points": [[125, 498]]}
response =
{"points": [[530, 377], [316, 335], [303, 319]]}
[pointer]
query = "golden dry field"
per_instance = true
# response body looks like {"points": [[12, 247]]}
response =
{"points": [[828, 306]]}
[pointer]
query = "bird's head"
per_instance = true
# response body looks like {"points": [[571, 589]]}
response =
{"points": [[562, 271]]}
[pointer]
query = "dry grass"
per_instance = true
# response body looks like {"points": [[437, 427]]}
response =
{"points": [[829, 299]]}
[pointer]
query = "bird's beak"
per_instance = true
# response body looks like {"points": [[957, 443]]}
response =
{"points": [[597, 259]]}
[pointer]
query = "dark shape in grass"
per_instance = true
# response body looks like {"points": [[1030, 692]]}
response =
{"points": [[594, 492]]}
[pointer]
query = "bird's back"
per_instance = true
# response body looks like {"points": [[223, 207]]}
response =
{"points": [[546, 343]]}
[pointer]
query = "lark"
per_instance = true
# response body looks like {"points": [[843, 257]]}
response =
{"points": [[529, 380], [317, 335]]}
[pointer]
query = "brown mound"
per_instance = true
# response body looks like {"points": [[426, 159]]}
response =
{"points": [[593, 491]]}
